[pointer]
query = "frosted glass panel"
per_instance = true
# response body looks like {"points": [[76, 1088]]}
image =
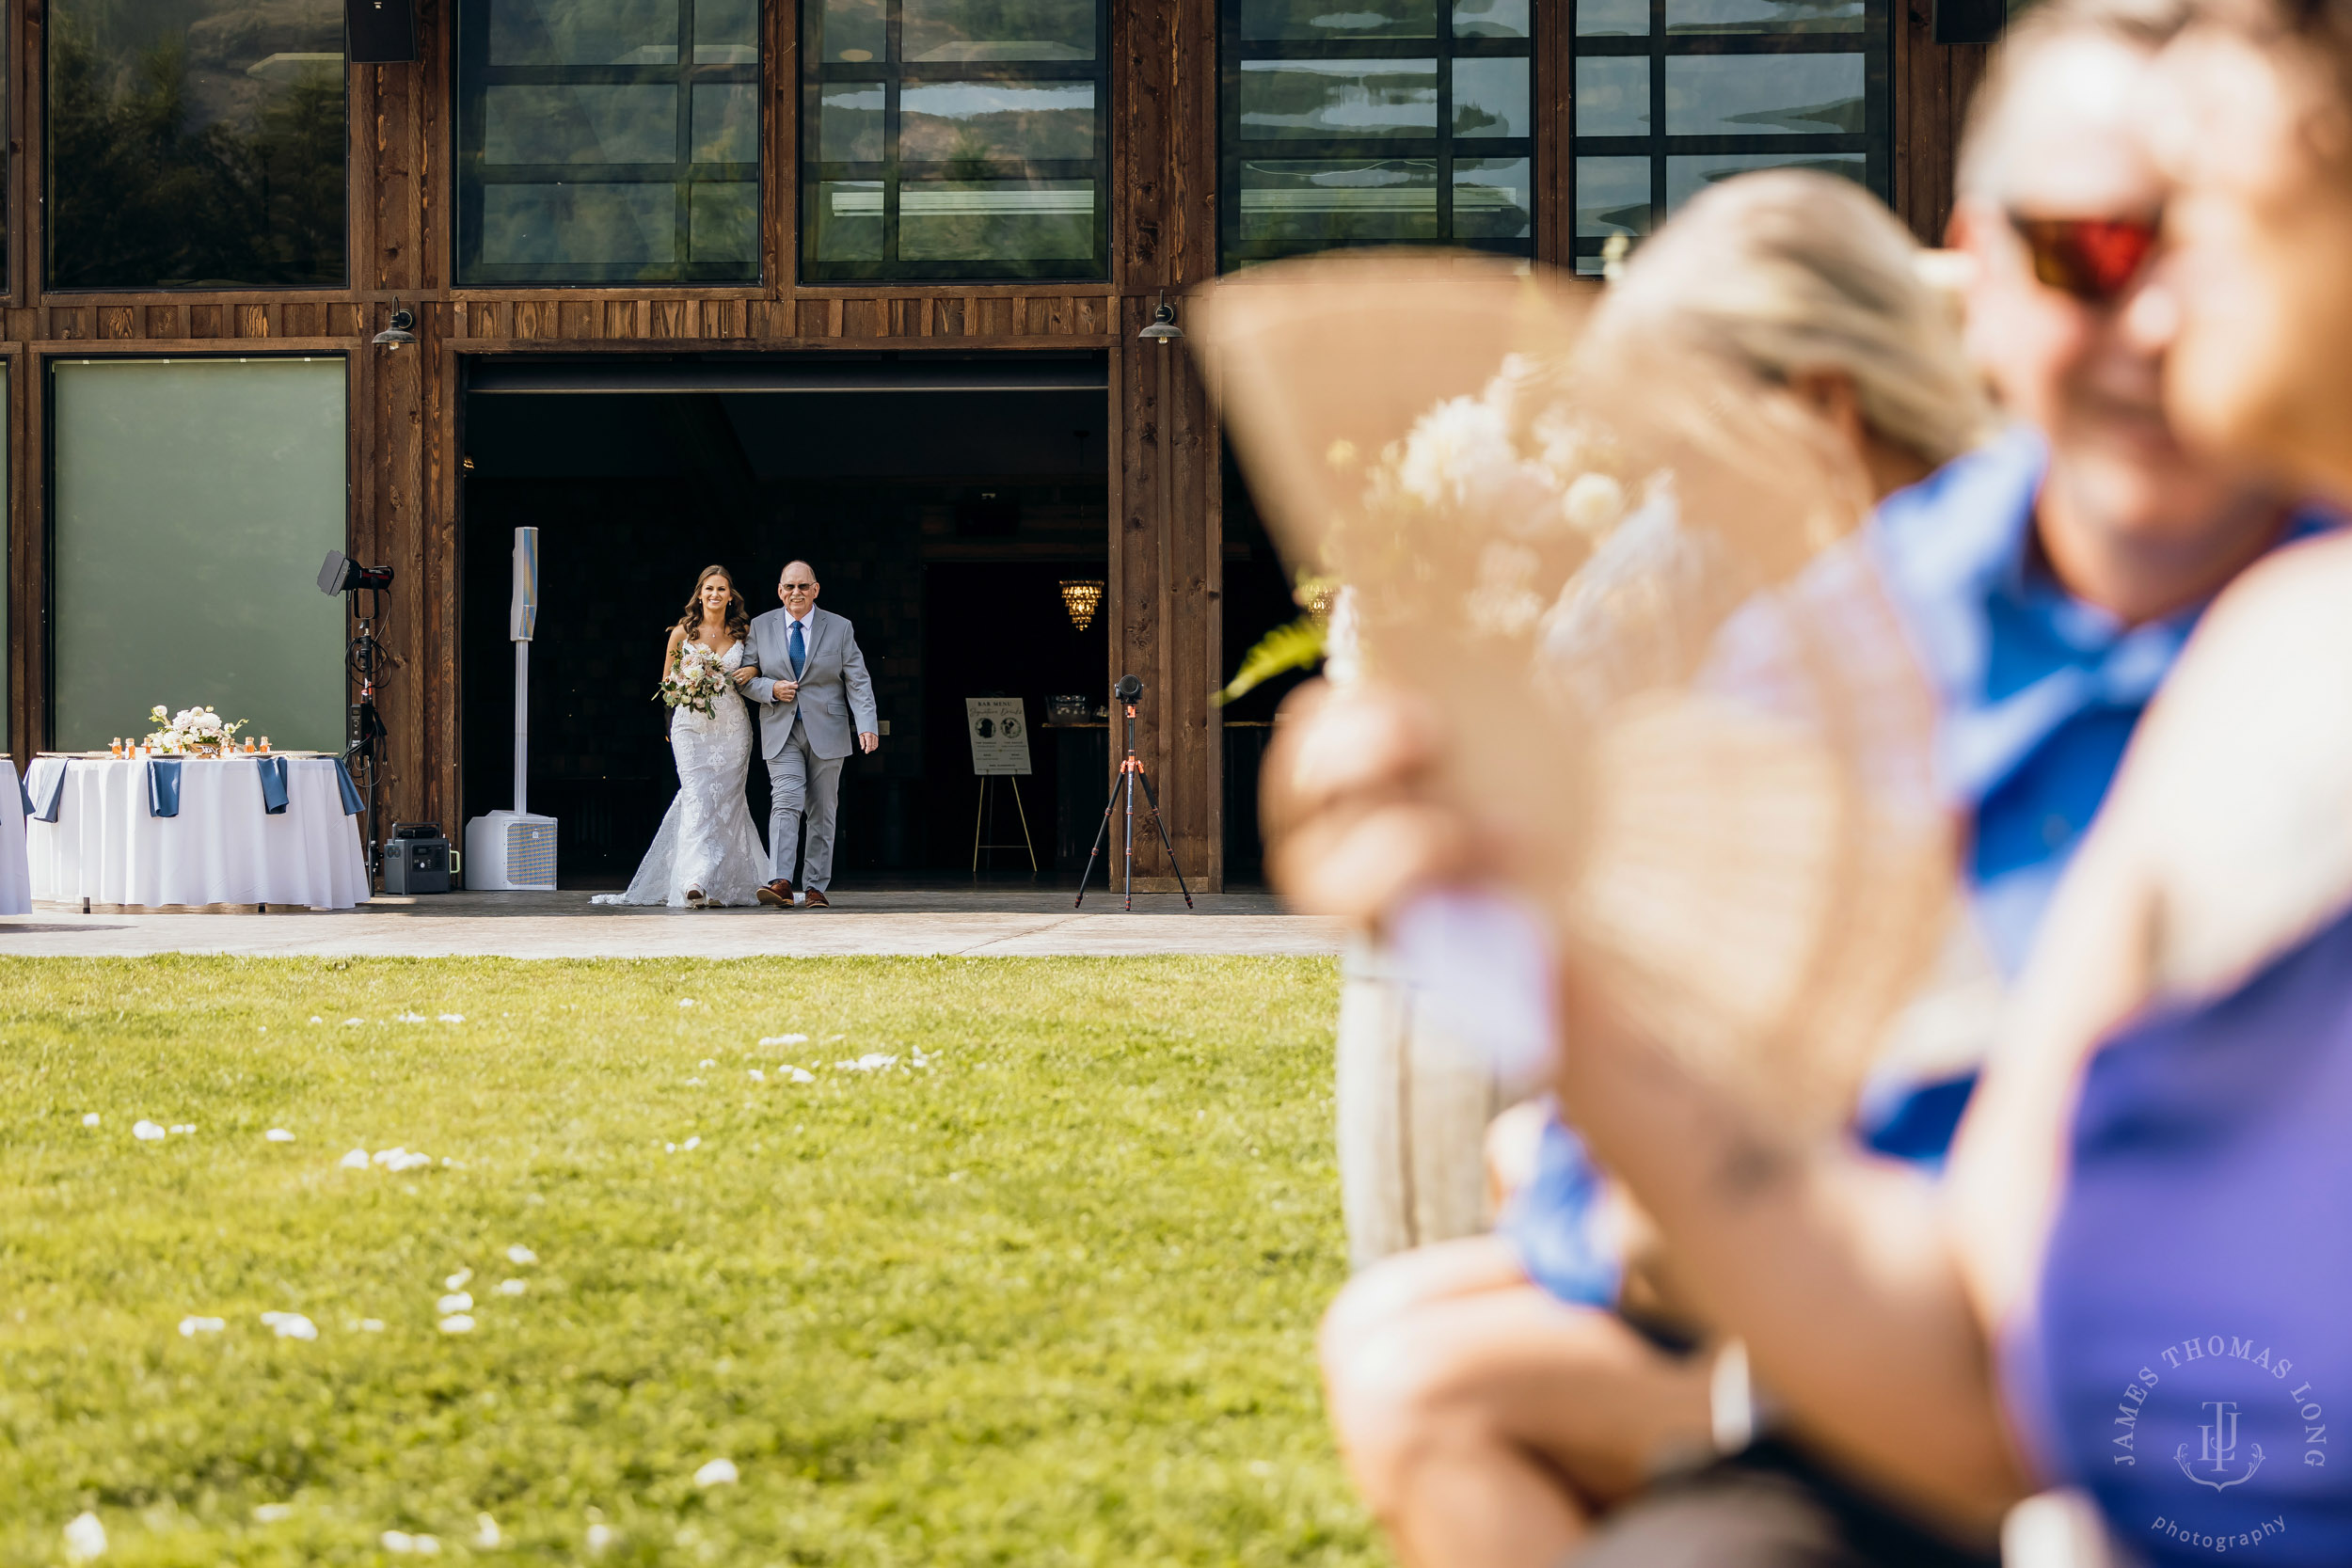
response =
{"points": [[194, 502]]}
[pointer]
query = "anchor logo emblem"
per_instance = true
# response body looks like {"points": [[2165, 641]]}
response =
{"points": [[2219, 1449]]}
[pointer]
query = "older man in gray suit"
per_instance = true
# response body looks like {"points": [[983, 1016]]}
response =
{"points": [[810, 683]]}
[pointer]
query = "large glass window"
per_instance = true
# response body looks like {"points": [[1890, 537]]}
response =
{"points": [[608, 141], [1672, 95], [1375, 122], [953, 139], [195, 144], [193, 500]]}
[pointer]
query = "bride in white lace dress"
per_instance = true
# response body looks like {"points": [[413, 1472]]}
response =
{"points": [[707, 851]]}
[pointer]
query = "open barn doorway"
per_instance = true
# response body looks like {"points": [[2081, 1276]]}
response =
{"points": [[910, 483]]}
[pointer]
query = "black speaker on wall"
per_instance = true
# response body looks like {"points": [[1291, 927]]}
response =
{"points": [[381, 32], [1956, 21]]}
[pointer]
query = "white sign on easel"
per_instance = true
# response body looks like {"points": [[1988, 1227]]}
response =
{"points": [[1000, 734]]}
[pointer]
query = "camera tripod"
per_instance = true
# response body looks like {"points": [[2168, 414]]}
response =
{"points": [[1131, 773]]}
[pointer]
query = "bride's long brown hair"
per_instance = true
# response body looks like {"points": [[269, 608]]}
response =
{"points": [[739, 613]]}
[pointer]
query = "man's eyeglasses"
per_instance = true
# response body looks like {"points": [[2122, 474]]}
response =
{"points": [[2093, 260], [799, 588]]}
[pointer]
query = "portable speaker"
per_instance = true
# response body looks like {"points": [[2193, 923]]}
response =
{"points": [[380, 32], [522, 616], [1969, 21]]}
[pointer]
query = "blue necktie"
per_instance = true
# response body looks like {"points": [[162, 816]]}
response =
{"points": [[800, 651]]}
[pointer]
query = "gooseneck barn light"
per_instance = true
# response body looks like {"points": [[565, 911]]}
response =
{"points": [[1163, 329]]}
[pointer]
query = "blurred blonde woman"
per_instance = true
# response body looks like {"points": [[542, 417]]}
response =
{"points": [[1494, 1393]]}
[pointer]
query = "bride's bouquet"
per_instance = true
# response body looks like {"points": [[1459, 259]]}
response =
{"points": [[190, 730], [695, 680]]}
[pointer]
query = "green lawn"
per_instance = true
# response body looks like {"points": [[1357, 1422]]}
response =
{"points": [[1048, 1299]]}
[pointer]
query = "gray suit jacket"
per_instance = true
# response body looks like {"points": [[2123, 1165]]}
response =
{"points": [[836, 697]]}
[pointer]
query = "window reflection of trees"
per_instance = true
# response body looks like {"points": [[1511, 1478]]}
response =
{"points": [[193, 147], [1376, 122], [976, 150]]}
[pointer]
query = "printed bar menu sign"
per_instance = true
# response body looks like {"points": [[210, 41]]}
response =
{"points": [[1000, 734]]}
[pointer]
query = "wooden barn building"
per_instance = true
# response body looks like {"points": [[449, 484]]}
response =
{"points": [[711, 280]]}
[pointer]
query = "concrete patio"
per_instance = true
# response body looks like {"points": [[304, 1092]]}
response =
{"points": [[1001, 920]]}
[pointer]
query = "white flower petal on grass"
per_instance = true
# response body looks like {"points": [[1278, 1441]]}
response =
{"points": [[191, 1327], [315, 1019], [486, 1536], [183, 1128], [520, 1254], [290, 1325], [356, 1160], [397, 1541], [457, 1281], [719, 1472], [271, 1514], [456, 1301], [669, 1149], [783, 1039], [84, 1539], [428, 1545], [873, 1061], [147, 1131], [694, 1143], [801, 1075], [89, 1119], [706, 1062], [513, 1287], [757, 1076], [458, 1324], [370, 1326], [685, 1000], [276, 1135], [694, 1082], [456, 1018], [353, 1022], [409, 1018], [600, 1537]]}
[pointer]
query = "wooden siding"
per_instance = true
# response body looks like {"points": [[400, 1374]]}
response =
{"points": [[1166, 546]]}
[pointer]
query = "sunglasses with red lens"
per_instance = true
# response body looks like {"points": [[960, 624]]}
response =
{"points": [[2093, 260]]}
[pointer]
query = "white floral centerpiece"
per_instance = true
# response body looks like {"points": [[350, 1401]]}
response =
{"points": [[191, 732], [695, 680]]}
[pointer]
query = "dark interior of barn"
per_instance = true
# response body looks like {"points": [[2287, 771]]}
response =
{"points": [[942, 504]]}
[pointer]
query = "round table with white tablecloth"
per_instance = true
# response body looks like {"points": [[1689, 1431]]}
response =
{"points": [[108, 845], [16, 892]]}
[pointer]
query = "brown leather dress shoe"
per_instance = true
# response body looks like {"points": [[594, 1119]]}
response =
{"points": [[816, 899], [777, 895]]}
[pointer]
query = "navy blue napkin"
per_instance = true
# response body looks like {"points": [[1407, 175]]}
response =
{"points": [[44, 789], [273, 771], [353, 805], [163, 786]]}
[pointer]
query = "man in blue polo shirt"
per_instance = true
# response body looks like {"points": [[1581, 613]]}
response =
{"points": [[2047, 580]]}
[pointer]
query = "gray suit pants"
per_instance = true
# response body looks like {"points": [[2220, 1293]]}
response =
{"points": [[801, 784]]}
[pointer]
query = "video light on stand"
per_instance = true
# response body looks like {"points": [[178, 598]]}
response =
{"points": [[514, 851]]}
